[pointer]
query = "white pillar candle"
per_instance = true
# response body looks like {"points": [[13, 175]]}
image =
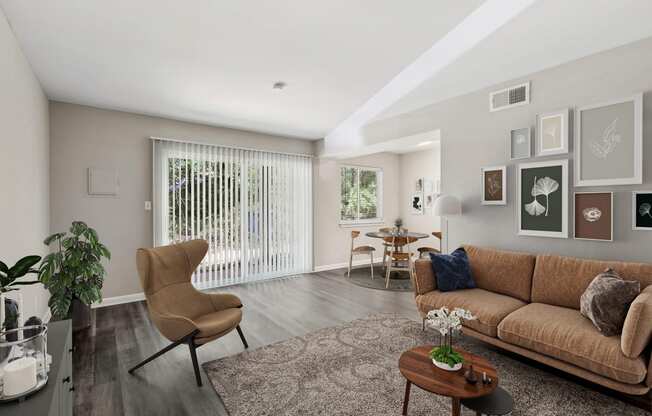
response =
{"points": [[20, 376]]}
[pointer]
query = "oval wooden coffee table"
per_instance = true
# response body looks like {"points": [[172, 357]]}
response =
{"points": [[418, 369]]}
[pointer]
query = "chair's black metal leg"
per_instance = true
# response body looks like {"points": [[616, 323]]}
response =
{"points": [[193, 356], [244, 341], [158, 354]]}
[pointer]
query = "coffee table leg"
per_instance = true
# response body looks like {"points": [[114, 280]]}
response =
{"points": [[406, 399], [456, 407]]}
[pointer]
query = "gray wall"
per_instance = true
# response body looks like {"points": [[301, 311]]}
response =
{"points": [[83, 137], [24, 164], [472, 137]]}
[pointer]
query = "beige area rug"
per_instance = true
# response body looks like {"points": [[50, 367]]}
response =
{"points": [[352, 369]]}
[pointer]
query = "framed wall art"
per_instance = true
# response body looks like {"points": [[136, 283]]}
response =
{"points": [[642, 211], [552, 133], [494, 186], [609, 143], [593, 216], [543, 199], [520, 144], [417, 203]]}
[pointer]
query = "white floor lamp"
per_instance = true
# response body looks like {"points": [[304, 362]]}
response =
{"points": [[445, 206]]}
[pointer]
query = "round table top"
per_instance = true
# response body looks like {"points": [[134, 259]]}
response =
{"points": [[417, 367], [386, 234]]}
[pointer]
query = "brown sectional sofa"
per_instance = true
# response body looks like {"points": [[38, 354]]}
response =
{"points": [[529, 305]]}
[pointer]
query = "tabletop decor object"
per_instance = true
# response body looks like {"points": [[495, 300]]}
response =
{"points": [[25, 370], [446, 322]]}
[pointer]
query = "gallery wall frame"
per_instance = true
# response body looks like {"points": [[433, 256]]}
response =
{"points": [[552, 132], [543, 183], [642, 210], [519, 143], [593, 218], [494, 185], [609, 143]]}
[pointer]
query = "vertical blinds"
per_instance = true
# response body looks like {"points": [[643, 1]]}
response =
{"points": [[254, 208]]}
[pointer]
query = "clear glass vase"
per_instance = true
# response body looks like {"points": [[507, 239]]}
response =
{"points": [[24, 361]]}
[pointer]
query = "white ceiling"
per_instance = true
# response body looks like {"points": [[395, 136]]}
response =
{"points": [[548, 33], [214, 62]]}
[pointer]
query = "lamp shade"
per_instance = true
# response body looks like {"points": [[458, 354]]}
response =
{"points": [[447, 205]]}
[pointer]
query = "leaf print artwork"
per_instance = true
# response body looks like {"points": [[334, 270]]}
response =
{"points": [[543, 186], [645, 209], [534, 208], [607, 144]]}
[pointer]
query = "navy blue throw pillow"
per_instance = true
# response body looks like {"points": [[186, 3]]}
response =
{"points": [[452, 271]]}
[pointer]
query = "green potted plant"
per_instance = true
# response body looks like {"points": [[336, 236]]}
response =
{"points": [[74, 273], [8, 282]]}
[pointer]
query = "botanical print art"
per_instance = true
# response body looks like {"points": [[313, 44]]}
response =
{"points": [[417, 203], [543, 199], [609, 143], [594, 216], [493, 186], [642, 210], [553, 133], [520, 146]]}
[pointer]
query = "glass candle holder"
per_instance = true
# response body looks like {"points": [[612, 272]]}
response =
{"points": [[24, 361]]}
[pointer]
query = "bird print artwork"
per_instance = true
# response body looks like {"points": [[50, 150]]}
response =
{"points": [[610, 139]]}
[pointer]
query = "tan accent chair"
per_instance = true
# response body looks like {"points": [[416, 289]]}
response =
{"points": [[426, 250], [399, 260], [360, 250], [181, 313]]}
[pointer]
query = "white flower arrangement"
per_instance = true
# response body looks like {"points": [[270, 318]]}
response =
{"points": [[445, 321]]}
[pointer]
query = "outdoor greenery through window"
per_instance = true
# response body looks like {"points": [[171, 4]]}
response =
{"points": [[360, 195]]}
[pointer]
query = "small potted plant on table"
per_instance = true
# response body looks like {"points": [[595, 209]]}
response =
{"points": [[74, 274], [446, 322]]}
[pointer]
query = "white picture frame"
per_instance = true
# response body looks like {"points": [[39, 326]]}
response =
{"points": [[559, 122], [608, 141], [635, 210], [564, 199], [611, 219], [503, 186], [512, 144]]}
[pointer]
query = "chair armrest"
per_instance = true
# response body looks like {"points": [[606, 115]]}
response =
{"points": [[173, 327], [637, 329], [424, 277], [222, 301]]}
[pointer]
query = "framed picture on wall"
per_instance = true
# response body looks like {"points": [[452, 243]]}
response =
{"points": [[642, 211], [543, 199], [417, 203], [609, 143], [494, 185], [593, 216], [552, 133], [520, 144]]}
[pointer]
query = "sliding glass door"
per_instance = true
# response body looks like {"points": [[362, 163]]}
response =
{"points": [[254, 208]]}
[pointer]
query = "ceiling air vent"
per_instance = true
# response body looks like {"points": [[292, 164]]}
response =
{"points": [[509, 97]]}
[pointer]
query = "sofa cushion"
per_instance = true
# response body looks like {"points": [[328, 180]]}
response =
{"points": [[452, 271], [563, 333], [637, 330], [489, 308], [606, 300], [505, 272], [561, 281]]}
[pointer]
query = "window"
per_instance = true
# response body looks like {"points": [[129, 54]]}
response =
{"points": [[361, 195], [253, 208]]}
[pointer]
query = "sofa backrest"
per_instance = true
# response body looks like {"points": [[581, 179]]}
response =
{"points": [[561, 280], [505, 272]]}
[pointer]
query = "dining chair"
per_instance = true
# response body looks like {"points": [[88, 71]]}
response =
{"points": [[400, 257], [360, 250], [426, 250], [386, 245], [181, 313]]}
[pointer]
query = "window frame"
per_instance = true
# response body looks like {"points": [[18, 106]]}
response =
{"points": [[379, 196]]}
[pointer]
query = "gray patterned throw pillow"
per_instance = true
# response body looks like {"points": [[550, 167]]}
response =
{"points": [[606, 301]]}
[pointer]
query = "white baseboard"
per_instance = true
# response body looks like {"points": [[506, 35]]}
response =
{"points": [[118, 300], [356, 263]]}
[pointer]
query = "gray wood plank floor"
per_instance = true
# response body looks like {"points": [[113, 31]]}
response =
{"points": [[275, 310], [122, 336]]}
